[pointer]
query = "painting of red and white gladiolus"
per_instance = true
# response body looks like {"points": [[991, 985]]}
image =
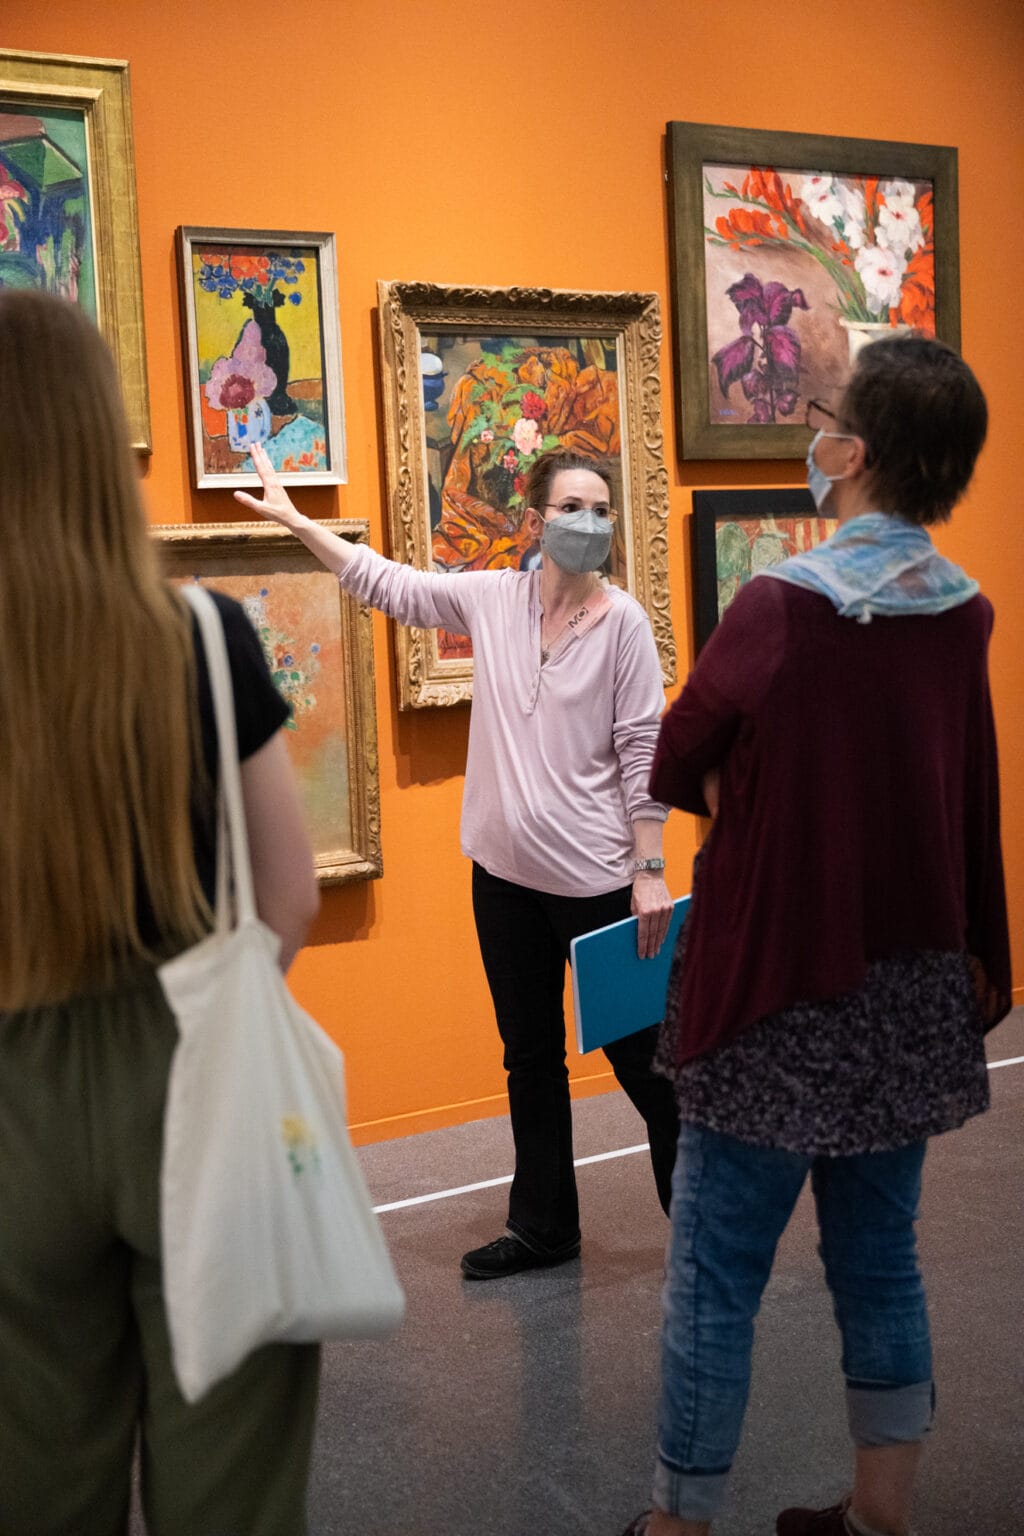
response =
{"points": [[801, 269], [790, 252]]}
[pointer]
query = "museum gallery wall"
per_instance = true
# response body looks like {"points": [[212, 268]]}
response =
{"points": [[253, 227]]}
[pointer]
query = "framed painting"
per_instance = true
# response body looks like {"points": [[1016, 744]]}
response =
{"points": [[790, 251], [259, 315], [68, 218], [477, 383], [736, 534], [318, 645]]}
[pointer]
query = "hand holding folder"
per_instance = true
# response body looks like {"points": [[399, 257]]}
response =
{"points": [[614, 992]]}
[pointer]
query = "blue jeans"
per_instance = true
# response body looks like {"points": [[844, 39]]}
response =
{"points": [[730, 1205]]}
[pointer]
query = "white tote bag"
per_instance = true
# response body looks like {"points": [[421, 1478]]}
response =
{"points": [[267, 1230]]}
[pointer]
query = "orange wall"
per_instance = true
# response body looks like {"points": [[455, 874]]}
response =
{"points": [[497, 146]]}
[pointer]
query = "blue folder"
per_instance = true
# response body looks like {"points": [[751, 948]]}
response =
{"points": [[614, 992]]}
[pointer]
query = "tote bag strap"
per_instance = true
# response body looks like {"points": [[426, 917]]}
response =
{"points": [[232, 838]]}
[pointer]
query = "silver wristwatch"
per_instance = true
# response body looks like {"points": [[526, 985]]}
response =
{"points": [[639, 865]]}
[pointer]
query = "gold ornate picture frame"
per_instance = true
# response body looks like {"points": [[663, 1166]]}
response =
{"points": [[319, 646], [69, 216], [476, 383]]}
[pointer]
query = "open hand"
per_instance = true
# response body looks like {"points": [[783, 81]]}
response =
{"points": [[276, 504]]}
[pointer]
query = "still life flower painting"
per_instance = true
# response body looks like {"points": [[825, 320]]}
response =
{"points": [[801, 270], [262, 354], [791, 252], [318, 647], [492, 405], [477, 383]]}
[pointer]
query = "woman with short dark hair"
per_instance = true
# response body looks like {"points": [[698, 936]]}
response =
{"points": [[846, 947]]}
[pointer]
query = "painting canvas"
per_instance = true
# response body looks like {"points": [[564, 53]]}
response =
{"points": [[800, 270], [479, 383], [68, 223], [736, 534], [492, 405], [262, 354], [46, 225], [787, 261], [318, 648]]}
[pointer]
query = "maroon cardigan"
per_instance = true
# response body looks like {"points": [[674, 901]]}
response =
{"points": [[859, 805]]}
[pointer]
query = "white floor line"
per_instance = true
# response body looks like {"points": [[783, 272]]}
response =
{"points": [[467, 1189], [579, 1162]]}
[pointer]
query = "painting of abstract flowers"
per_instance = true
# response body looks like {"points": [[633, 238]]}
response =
{"points": [[478, 384], [318, 645], [263, 354], [734, 535], [791, 252]]}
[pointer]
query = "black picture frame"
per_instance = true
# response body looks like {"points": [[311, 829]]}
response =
{"points": [[715, 510]]}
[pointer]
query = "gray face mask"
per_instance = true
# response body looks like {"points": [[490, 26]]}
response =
{"points": [[578, 541]]}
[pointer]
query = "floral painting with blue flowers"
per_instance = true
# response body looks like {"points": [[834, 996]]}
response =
{"points": [[296, 616], [260, 361]]}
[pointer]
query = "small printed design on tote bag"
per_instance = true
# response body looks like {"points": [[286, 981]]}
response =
{"points": [[300, 1144]]}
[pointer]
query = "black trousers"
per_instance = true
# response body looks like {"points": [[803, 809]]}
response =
{"points": [[524, 941]]}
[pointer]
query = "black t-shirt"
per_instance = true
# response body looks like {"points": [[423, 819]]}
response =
{"points": [[260, 711]]}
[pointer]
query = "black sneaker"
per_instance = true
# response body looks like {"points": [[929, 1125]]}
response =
{"points": [[507, 1255]]}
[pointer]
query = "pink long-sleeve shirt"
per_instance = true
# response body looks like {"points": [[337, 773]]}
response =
{"points": [[560, 754]]}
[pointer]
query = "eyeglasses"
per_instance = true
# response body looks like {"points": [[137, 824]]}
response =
{"points": [[822, 418], [818, 416], [577, 506]]}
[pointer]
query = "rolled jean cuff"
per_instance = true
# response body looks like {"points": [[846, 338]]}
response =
{"points": [[890, 1415], [689, 1495]]}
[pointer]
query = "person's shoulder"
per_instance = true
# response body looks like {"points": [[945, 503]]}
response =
{"points": [[980, 612], [629, 609]]}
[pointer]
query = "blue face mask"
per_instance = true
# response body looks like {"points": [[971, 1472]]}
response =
{"points": [[818, 483]]}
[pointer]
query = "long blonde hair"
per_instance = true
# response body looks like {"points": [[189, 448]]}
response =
{"points": [[97, 737]]}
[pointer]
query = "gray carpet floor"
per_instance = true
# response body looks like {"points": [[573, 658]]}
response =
{"points": [[525, 1407]]}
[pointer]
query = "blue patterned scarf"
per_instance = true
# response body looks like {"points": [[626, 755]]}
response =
{"points": [[877, 564]]}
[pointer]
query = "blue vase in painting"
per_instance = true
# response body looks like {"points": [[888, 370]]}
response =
{"points": [[248, 424]]}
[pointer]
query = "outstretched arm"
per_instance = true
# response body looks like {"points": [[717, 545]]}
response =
{"points": [[423, 598]]}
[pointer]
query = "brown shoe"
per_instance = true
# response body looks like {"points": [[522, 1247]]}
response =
{"points": [[814, 1522], [638, 1527]]}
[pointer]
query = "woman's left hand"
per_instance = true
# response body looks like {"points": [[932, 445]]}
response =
{"points": [[652, 905]]}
